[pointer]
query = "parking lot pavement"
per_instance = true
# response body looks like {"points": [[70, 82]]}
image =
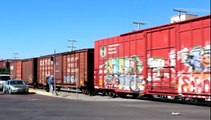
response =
{"points": [[78, 96]]}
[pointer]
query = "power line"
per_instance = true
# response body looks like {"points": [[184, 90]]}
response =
{"points": [[71, 44], [194, 10], [15, 55], [180, 11]]}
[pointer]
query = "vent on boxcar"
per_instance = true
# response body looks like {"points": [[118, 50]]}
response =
{"points": [[182, 17]]}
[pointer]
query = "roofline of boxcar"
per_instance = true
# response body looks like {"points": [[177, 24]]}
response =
{"points": [[77, 51], [27, 59], [9, 60], [166, 25], [68, 52]]}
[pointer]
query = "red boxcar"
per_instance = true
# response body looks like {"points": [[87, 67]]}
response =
{"points": [[168, 60], [73, 69]]}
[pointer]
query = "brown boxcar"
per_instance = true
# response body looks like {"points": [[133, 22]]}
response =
{"points": [[4, 66], [29, 71], [3, 63], [45, 67], [78, 69], [72, 69], [16, 69], [168, 60]]}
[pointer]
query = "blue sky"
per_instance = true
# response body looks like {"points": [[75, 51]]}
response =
{"points": [[35, 28]]}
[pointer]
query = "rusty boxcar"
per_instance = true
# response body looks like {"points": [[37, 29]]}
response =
{"points": [[29, 71], [168, 60], [16, 69], [5, 66], [72, 69], [45, 67]]}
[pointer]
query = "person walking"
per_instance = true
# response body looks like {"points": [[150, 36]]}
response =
{"points": [[51, 84], [47, 85]]}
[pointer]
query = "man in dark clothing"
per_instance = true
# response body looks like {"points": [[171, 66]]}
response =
{"points": [[47, 85]]}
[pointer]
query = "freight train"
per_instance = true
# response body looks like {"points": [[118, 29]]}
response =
{"points": [[171, 60], [71, 70]]}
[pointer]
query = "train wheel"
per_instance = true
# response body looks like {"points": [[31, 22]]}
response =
{"points": [[95, 92], [135, 95], [86, 91], [200, 100], [112, 94], [149, 96], [90, 93], [104, 93], [177, 98], [83, 91], [58, 88], [122, 95]]}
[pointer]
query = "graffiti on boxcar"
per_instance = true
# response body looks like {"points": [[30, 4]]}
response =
{"points": [[156, 63], [157, 66], [71, 79], [172, 58], [194, 84], [196, 59], [72, 69], [124, 73], [196, 63]]}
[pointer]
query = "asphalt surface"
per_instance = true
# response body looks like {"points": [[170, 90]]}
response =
{"points": [[40, 105]]}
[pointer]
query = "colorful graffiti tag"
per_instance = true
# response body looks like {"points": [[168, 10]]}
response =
{"points": [[196, 63], [124, 73], [197, 59], [157, 66], [195, 83], [194, 72]]}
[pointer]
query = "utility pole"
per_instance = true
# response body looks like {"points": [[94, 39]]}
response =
{"points": [[179, 12], [139, 24], [54, 67], [76, 74], [71, 44], [15, 57]]}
